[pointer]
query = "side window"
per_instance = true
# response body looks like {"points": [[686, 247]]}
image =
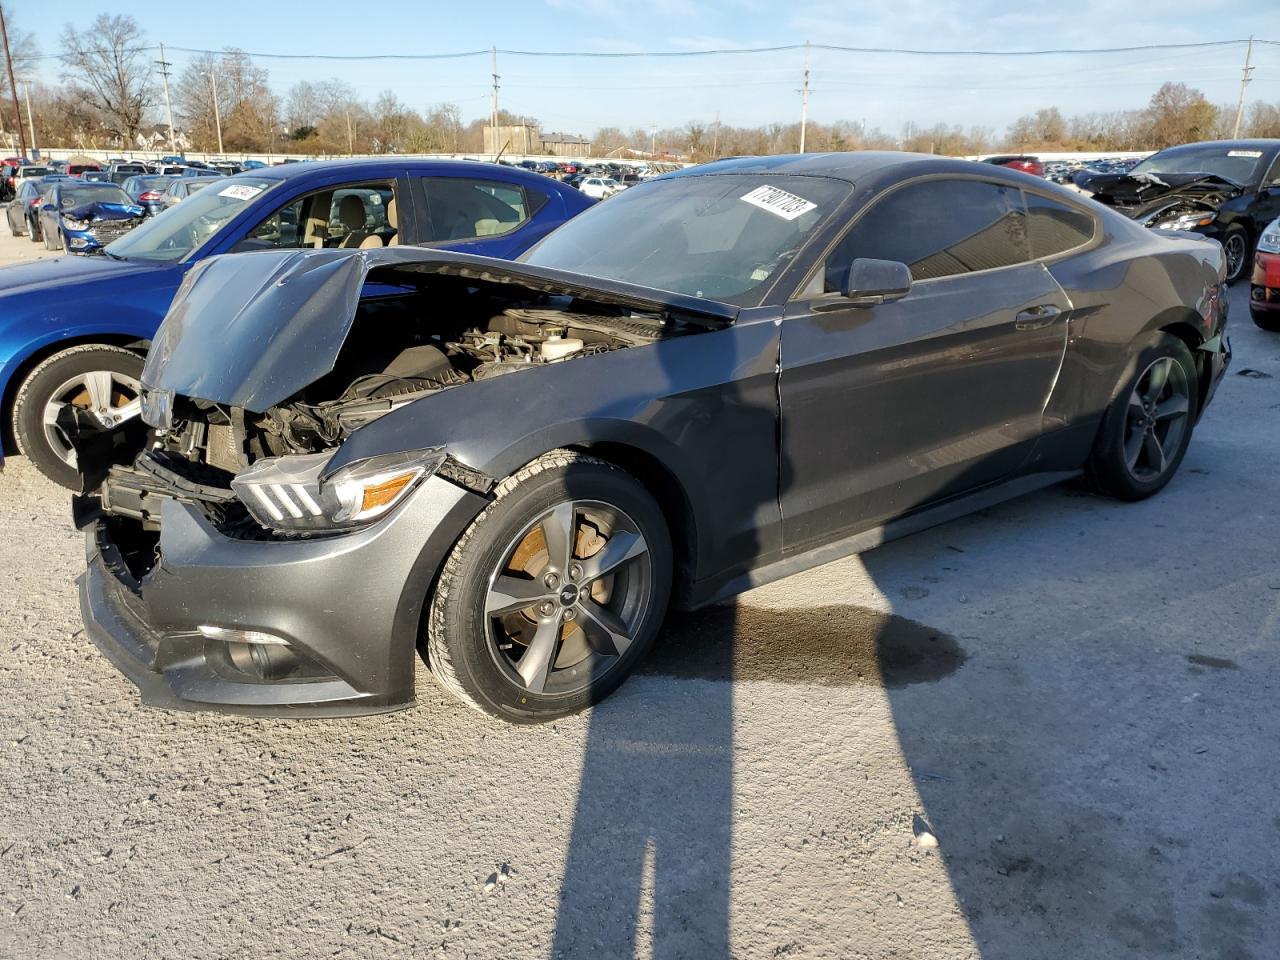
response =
{"points": [[462, 208], [1054, 227], [1273, 175], [356, 216], [938, 228]]}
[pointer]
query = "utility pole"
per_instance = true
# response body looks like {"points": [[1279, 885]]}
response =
{"points": [[1245, 76], [493, 100], [351, 139], [168, 107], [804, 98], [653, 139], [13, 87], [31, 121], [217, 117], [715, 142]]}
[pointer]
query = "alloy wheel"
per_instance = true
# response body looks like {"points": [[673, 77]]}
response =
{"points": [[109, 398], [568, 596], [1159, 405], [1235, 249]]}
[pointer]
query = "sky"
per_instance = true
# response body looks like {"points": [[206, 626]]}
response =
{"points": [[579, 95]]}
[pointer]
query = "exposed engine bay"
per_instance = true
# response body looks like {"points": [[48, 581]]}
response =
{"points": [[403, 347], [1156, 199]]}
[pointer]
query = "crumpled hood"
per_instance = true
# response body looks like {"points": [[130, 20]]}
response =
{"points": [[103, 210], [1128, 190], [252, 329]]}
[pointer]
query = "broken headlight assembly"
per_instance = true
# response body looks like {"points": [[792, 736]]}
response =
{"points": [[1188, 221], [291, 494]]}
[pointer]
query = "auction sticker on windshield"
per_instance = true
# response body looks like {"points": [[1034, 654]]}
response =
{"points": [[240, 191], [1244, 153], [778, 202]]}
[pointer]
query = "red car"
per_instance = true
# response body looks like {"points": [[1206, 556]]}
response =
{"points": [[79, 169], [1031, 165], [1264, 285]]}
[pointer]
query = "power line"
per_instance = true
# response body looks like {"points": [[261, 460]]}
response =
{"points": [[669, 54]]}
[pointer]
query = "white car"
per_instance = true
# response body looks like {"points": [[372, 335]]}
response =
{"points": [[600, 187]]}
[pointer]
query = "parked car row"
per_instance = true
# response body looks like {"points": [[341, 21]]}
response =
{"points": [[720, 377]]}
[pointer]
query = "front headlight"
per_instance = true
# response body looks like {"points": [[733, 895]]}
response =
{"points": [[1269, 242], [75, 224], [1188, 221], [291, 494]]}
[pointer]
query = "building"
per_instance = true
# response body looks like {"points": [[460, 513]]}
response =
{"points": [[156, 137], [523, 140], [520, 138], [565, 145]]}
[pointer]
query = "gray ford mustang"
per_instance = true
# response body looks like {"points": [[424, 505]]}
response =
{"points": [[717, 378]]}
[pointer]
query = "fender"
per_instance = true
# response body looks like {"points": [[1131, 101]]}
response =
{"points": [[704, 405]]}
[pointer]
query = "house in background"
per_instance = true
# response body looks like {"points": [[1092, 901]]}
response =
{"points": [[156, 137]]}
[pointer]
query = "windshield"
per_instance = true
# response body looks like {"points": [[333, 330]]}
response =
{"points": [[92, 193], [186, 226], [723, 237], [1239, 165]]}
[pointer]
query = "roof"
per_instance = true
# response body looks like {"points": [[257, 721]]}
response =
{"points": [[562, 138], [841, 166], [387, 166], [1256, 143]]}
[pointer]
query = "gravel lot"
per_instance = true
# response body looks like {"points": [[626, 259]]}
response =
{"points": [[1077, 697]]}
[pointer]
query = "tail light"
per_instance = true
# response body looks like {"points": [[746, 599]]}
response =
{"points": [[149, 197], [35, 201]]}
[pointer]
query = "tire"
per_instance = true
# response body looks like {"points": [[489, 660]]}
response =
{"points": [[1268, 320], [1141, 413], [583, 663], [54, 380], [33, 231], [14, 231], [48, 240], [1235, 244]]}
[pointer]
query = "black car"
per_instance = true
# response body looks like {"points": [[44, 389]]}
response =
{"points": [[148, 191], [1225, 189], [719, 377]]}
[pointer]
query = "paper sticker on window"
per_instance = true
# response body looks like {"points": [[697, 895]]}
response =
{"points": [[240, 191], [778, 202], [1244, 153]]}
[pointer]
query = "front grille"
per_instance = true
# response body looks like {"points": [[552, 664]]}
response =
{"points": [[104, 231]]}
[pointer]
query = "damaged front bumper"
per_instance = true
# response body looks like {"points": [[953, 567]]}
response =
{"points": [[342, 614]]}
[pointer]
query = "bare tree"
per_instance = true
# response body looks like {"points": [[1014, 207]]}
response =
{"points": [[1178, 114], [22, 47], [111, 70]]}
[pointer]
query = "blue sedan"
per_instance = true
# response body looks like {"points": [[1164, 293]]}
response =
{"points": [[82, 217], [74, 330]]}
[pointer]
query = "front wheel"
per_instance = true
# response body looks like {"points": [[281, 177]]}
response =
{"points": [[1146, 431], [554, 592], [1268, 320], [102, 382], [1235, 244]]}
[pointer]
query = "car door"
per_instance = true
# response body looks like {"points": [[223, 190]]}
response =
{"points": [[890, 407]]}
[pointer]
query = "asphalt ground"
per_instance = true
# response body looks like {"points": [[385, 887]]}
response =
{"points": [[1075, 699]]}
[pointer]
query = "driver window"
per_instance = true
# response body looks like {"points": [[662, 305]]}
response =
{"points": [[347, 217], [938, 228]]}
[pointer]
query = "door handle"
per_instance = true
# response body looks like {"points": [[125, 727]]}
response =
{"points": [[1033, 318]]}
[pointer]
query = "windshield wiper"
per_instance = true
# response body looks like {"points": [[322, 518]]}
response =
{"points": [[113, 256]]}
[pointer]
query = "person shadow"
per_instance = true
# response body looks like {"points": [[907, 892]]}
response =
{"points": [[648, 864]]}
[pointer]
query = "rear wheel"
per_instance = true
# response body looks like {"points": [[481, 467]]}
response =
{"points": [[33, 230], [1145, 433], [554, 593], [103, 382]]}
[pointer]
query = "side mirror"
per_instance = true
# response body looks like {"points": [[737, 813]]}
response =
{"points": [[876, 281], [46, 206]]}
